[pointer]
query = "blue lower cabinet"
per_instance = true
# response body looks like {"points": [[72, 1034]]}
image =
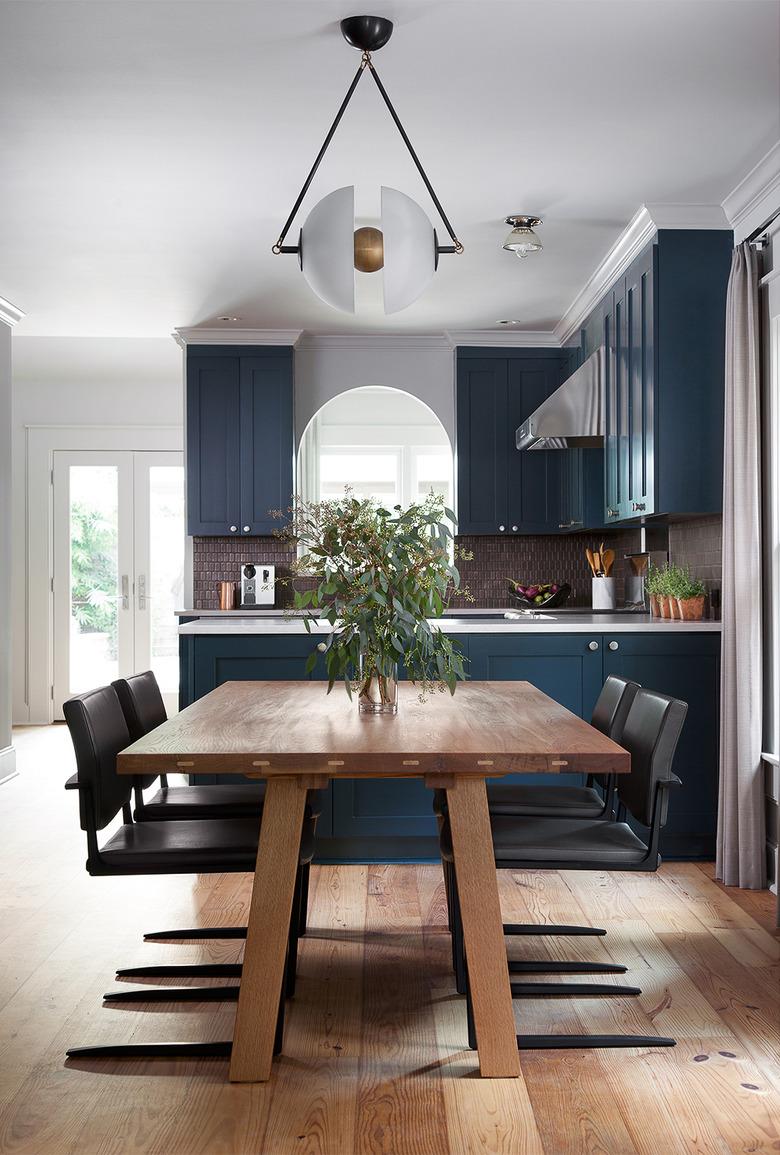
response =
{"points": [[687, 666], [560, 665], [369, 819]]}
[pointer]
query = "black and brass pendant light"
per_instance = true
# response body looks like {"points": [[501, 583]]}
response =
{"points": [[406, 246]]}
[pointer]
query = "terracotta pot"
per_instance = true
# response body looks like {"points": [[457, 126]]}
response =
{"points": [[691, 609], [655, 610], [673, 608], [663, 606]]}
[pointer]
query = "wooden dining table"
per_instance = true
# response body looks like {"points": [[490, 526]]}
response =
{"points": [[297, 737]]}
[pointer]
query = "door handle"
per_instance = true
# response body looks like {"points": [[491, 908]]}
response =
{"points": [[638, 506], [142, 591]]}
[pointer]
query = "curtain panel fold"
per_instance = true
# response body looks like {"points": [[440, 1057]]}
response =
{"points": [[741, 851]]}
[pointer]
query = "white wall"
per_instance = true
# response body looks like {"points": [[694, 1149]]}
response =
{"points": [[7, 758], [327, 366], [76, 382]]}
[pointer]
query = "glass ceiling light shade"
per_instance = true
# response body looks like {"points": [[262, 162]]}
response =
{"points": [[410, 249], [327, 249], [523, 240]]}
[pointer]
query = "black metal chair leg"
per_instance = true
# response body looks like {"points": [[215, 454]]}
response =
{"points": [[549, 930], [196, 932], [588, 1042], [525, 967], [174, 995], [184, 970], [559, 990], [220, 1050], [305, 869], [292, 937]]}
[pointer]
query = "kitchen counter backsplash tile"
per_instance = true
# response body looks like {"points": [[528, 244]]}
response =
{"points": [[696, 545], [543, 558], [547, 558]]}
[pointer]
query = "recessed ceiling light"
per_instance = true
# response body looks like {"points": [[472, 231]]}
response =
{"points": [[508, 322], [228, 318]]}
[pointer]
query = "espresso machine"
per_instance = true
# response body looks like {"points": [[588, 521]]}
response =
{"points": [[257, 585]]}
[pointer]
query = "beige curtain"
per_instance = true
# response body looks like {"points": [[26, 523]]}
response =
{"points": [[741, 836]]}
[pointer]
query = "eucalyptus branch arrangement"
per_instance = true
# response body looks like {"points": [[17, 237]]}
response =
{"points": [[381, 575]]}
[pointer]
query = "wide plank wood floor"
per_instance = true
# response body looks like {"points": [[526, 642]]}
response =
{"points": [[375, 1057]]}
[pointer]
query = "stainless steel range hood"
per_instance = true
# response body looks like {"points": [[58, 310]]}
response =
{"points": [[573, 416]]}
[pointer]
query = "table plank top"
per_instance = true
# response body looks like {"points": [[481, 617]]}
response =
{"points": [[268, 728]]}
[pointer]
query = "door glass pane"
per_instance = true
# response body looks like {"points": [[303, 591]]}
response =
{"points": [[165, 580], [94, 605]]}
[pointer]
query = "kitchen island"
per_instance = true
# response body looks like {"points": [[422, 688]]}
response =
{"points": [[566, 654]]}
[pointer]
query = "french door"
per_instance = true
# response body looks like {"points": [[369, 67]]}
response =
{"points": [[118, 569]]}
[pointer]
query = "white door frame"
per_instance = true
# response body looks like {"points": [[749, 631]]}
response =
{"points": [[34, 610]]}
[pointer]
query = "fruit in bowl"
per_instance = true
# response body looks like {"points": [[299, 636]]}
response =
{"points": [[540, 595]]}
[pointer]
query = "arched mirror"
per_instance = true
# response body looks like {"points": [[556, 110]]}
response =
{"points": [[382, 442]]}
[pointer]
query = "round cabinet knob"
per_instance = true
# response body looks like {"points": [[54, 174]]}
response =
{"points": [[234, 529], [514, 529], [246, 529], [613, 646], [501, 528], [593, 646]]}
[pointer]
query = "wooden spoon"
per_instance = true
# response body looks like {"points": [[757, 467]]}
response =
{"points": [[591, 560], [597, 563], [608, 559]]}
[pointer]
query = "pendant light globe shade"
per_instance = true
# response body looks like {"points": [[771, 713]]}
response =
{"points": [[410, 249], [327, 249]]}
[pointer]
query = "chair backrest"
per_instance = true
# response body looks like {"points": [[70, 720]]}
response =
{"points": [[142, 703], [98, 731], [650, 735], [612, 707]]}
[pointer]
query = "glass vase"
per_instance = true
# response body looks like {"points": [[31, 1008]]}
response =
{"points": [[377, 693]]}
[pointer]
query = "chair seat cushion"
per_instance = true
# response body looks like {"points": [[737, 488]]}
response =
{"points": [[569, 841], [555, 801], [228, 801], [198, 846], [217, 801]]}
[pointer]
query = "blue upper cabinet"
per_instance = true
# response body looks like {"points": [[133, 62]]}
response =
{"points": [[239, 438], [499, 489], [663, 327]]}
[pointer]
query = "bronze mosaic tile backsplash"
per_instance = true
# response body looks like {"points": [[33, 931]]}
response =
{"points": [[696, 545]]}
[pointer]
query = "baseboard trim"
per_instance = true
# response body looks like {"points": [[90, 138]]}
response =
{"points": [[7, 764]]}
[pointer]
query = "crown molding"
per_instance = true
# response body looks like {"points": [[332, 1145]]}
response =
{"points": [[638, 233], [418, 341], [757, 196], [9, 314], [202, 336], [505, 338]]}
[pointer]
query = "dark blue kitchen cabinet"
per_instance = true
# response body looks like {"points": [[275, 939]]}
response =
{"points": [[239, 438], [500, 490], [582, 489], [687, 666], [663, 327]]}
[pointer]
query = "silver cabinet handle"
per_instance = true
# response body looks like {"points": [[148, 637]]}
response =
{"points": [[638, 506], [613, 646], [234, 529], [593, 646], [612, 512], [246, 529]]}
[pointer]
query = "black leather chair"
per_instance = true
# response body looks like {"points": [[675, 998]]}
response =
{"points": [[220, 845], [651, 732], [144, 710], [593, 800]]}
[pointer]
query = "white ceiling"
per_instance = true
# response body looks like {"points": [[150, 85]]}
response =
{"points": [[152, 150]]}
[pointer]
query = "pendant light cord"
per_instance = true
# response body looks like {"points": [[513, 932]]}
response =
{"points": [[366, 63]]}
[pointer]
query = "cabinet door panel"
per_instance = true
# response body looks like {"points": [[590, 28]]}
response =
{"points": [[534, 475], [482, 450], [611, 414], [639, 497], [213, 393], [687, 667], [266, 440], [560, 665]]}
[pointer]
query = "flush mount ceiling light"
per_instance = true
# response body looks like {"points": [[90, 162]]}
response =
{"points": [[406, 246], [523, 240]]}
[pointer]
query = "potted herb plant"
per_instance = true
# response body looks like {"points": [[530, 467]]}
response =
{"points": [[654, 586], [690, 598], [381, 576]]}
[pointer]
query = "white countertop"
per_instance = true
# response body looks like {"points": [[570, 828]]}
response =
{"points": [[568, 623]]}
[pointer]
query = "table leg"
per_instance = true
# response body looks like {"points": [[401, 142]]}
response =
{"points": [[475, 871], [269, 923]]}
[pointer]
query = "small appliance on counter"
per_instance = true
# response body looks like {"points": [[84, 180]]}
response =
{"points": [[258, 584]]}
